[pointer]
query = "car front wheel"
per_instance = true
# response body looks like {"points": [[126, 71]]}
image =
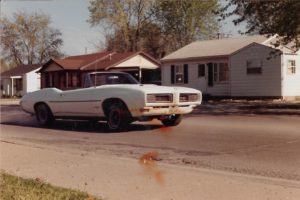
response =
{"points": [[43, 114], [118, 118], [171, 120]]}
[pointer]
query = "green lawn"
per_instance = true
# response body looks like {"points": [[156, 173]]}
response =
{"points": [[17, 188]]}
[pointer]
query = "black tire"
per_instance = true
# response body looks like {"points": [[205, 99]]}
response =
{"points": [[43, 114], [118, 118], [172, 120]]}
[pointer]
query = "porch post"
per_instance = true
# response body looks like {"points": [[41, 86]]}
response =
{"points": [[12, 86], [140, 74], [67, 80]]}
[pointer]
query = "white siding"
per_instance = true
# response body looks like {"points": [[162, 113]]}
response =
{"points": [[166, 75], [200, 83], [266, 84], [194, 81], [291, 83], [138, 61], [33, 82]]}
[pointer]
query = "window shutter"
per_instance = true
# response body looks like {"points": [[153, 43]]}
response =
{"points": [[172, 74], [210, 74], [186, 73]]}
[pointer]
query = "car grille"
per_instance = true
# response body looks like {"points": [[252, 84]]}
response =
{"points": [[184, 97]]}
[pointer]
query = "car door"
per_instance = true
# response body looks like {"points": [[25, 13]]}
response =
{"points": [[74, 103]]}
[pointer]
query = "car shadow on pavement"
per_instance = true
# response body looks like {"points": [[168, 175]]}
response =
{"points": [[83, 126]]}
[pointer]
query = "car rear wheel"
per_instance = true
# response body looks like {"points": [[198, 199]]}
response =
{"points": [[171, 120], [43, 114], [118, 118]]}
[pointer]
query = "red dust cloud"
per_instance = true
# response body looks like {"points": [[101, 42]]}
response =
{"points": [[148, 161], [165, 130]]}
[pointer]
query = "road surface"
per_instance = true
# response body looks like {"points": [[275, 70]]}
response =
{"points": [[264, 145]]}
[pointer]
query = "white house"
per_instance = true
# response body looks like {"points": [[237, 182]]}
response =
{"points": [[236, 67], [20, 80]]}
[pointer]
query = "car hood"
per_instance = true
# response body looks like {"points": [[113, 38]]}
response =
{"points": [[150, 88]]}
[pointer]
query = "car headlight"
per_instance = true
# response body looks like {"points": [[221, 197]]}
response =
{"points": [[189, 97], [151, 98], [159, 98]]}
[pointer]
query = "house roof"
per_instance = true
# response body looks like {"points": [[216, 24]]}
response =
{"points": [[20, 70], [101, 60], [210, 48], [75, 62], [114, 59]]}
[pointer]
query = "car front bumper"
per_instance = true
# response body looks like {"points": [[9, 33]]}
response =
{"points": [[165, 110]]}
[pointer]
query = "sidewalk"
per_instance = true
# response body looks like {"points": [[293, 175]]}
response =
{"points": [[9, 101], [248, 107], [115, 178]]}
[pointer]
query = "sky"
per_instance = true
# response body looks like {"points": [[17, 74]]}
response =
{"points": [[70, 17]]}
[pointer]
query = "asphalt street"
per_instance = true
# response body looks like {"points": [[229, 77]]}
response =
{"points": [[255, 144]]}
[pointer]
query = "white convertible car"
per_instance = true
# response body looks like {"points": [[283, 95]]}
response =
{"points": [[114, 97]]}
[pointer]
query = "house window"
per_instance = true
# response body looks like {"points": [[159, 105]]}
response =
{"points": [[179, 78], [180, 74], [50, 79], [74, 79], [221, 72], [201, 70], [216, 72], [291, 67], [19, 84], [62, 80], [254, 66]]}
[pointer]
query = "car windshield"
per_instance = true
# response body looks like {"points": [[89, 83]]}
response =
{"points": [[98, 79]]}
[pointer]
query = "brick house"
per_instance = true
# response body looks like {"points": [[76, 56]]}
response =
{"points": [[68, 73]]}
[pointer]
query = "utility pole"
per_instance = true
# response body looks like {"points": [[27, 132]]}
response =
{"points": [[0, 8], [0, 34]]}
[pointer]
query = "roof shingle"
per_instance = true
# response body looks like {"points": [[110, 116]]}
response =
{"points": [[101, 60], [20, 70], [209, 48]]}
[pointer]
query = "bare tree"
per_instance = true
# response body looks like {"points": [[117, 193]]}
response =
{"points": [[27, 38], [184, 21], [125, 18], [155, 26]]}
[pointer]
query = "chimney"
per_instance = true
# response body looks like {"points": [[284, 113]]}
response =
{"points": [[110, 56]]}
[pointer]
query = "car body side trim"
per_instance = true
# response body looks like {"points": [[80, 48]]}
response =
{"points": [[74, 101]]}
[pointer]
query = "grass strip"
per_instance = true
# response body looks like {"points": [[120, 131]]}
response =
{"points": [[17, 188]]}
